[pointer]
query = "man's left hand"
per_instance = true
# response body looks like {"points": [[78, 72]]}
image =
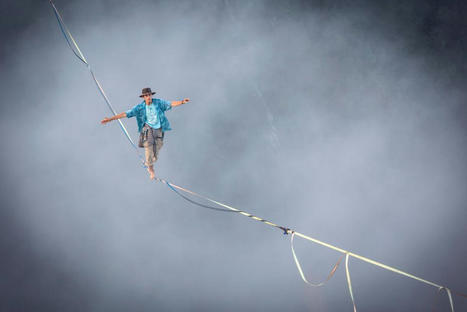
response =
{"points": [[185, 100]]}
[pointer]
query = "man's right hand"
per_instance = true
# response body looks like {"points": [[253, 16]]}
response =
{"points": [[105, 120]]}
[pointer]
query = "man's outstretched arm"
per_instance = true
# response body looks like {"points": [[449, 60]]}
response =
{"points": [[107, 119], [177, 103]]}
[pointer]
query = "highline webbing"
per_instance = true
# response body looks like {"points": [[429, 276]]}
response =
{"points": [[76, 50], [74, 47], [347, 254]]}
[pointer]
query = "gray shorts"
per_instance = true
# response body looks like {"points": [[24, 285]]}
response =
{"points": [[152, 140]]}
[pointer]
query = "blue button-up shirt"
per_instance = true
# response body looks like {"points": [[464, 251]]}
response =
{"points": [[140, 112]]}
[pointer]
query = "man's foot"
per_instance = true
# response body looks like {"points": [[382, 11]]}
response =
{"points": [[151, 173]]}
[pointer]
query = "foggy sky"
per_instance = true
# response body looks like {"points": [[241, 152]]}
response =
{"points": [[345, 122]]}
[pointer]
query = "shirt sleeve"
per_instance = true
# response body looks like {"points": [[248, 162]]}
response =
{"points": [[131, 112], [166, 105]]}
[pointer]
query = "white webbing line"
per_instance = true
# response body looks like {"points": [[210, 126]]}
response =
{"points": [[67, 35], [349, 282]]}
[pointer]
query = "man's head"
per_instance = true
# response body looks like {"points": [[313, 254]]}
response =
{"points": [[147, 94]]}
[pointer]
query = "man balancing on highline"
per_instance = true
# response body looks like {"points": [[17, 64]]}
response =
{"points": [[152, 124]]}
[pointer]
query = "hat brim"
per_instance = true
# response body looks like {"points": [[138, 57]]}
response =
{"points": [[142, 95]]}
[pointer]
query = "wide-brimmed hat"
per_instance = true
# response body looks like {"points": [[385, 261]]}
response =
{"points": [[146, 91]]}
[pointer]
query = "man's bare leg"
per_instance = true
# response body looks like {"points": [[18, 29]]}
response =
{"points": [[151, 172]]}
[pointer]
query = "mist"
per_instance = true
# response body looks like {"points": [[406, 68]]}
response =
{"points": [[329, 120]]}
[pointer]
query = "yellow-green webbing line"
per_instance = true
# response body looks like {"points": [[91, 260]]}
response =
{"points": [[343, 251], [286, 230], [376, 263]]}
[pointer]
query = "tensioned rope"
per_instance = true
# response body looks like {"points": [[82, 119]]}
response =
{"points": [[76, 50], [226, 208], [347, 253]]}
